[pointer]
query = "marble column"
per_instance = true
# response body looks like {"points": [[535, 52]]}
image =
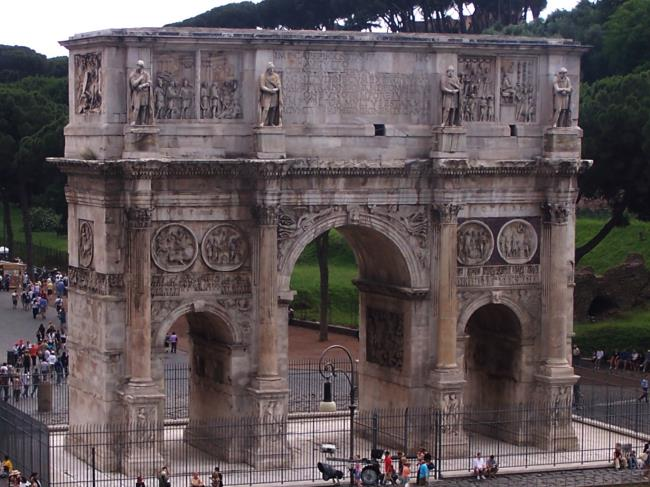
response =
{"points": [[447, 379], [268, 294], [143, 402], [447, 300], [556, 288], [553, 389], [269, 391]]}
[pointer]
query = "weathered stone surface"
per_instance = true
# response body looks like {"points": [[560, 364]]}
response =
{"points": [[619, 289]]}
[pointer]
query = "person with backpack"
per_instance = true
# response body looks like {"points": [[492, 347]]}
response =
{"points": [[422, 477]]}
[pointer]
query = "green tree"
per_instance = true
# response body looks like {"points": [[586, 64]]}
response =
{"points": [[627, 36], [615, 116]]}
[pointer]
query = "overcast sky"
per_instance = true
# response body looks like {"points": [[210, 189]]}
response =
{"points": [[40, 24]]}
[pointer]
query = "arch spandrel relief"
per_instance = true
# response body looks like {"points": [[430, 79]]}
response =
{"points": [[517, 242], [174, 248], [475, 243], [224, 248], [86, 243]]}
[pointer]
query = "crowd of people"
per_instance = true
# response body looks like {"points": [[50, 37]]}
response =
{"points": [[626, 458], [45, 359], [631, 360], [15, 478]]}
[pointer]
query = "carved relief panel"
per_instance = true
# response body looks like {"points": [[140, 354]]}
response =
{"points": [[477, 76], [224, 248], [88, 82], [220, 90], [351, 84], [518, 90], [86, 243], [175, 80], [517, 242], [384, 337], [475, 243], [174, 248]]}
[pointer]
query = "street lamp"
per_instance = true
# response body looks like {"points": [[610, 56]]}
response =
{"points": [[327, 369]]}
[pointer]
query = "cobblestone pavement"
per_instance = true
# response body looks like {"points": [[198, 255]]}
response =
{"points": [[558, 478]]}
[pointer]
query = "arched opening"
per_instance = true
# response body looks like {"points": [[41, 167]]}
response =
{"points": [[602, 306], [492, 358], [209, 367], [385, 310]]}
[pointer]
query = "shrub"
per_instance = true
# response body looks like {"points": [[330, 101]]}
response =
{"points": [[44, 219]]}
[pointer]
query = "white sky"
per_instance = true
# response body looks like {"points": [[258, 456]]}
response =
{"points": [[40, 24]]}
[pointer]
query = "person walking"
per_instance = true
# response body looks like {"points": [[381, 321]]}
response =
{"points": [[644, 389], [173, 341]]}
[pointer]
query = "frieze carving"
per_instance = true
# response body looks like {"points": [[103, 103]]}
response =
{"points": [[266, 215], [498, 275], [477, 76], [236, 304], [174, 247], [174, 91], [220, 93], [518, 90], [160, 309], [138, 217], [216, 283], [86, 243], [385, 337], [555, 213], [224, 248], [88, 82], [517, 242], [95, 282], [446, 212], [475, 243]]}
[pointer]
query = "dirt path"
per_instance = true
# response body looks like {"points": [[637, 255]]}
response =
{"points": [[304, 344]]}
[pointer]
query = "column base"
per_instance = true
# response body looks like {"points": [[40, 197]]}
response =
{"points": [[449, 143], [144, 414], [562, 142], [141, 142], [270, 143], [447, 389], [554, 407], [268, 446]]}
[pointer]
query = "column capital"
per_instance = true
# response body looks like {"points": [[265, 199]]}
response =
{"points": [[555, 213], [266, 215], [446, 213], [139, 217]]}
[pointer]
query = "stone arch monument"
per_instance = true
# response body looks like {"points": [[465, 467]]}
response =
{"points": [[200, 164]]}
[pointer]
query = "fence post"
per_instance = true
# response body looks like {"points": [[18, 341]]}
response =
{"points": [[375, 428], [406, 429], [92, 457]]}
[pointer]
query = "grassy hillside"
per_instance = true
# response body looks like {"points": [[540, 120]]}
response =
{"points": [[627, 331], [44, 239], [616, 246]]}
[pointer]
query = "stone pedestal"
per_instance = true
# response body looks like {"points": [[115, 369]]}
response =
{"points": [[45, 397], [562, 142], [449, 143], [447, 388], [270, 143], [144, 407], [268, 446], [141, 141], [553, 413]]}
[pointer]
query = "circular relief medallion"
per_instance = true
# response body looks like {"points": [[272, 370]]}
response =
{"points": [[86, 243], [224, 248], [475, 243], [174, 248], [517, 242]]}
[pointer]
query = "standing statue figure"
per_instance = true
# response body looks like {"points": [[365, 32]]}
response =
{"points": [[171, 95], [187, 93], [215, 100], [270, 98], [450, 87], [562, 99], [205, 100], [141, 97], [159, 98]]}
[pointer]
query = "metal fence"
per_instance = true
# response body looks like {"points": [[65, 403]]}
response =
{"points": [[28, 404], [278, 450], [43, 256], [26, 441]]}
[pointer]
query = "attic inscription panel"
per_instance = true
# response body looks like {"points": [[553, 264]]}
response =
{"points": [[354, 84]]}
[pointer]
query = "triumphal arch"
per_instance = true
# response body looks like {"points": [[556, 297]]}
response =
{"points": [[201, 163]]}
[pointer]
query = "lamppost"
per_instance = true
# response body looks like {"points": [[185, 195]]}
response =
{"points": [[327, 369]]}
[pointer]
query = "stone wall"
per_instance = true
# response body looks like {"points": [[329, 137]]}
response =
{"points": [[619, 289]]}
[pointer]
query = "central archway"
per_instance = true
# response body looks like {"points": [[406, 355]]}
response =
{"points": [[389, 305]]}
